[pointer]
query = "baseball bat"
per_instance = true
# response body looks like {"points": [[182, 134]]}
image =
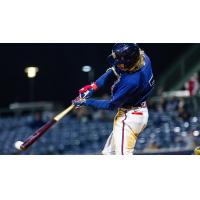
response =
{"points": [[41, 131]]}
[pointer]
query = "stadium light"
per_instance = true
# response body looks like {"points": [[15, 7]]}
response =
{"points": [[86, 68], [31, 71]]}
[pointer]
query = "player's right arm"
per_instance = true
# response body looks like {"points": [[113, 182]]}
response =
{"points": [[117, 100], [88, 90]]}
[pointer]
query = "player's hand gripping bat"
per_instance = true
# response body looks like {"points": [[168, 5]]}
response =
{"points": [[31, 139]]}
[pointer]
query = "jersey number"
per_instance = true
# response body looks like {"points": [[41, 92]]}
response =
{"points": [[152, 81]]}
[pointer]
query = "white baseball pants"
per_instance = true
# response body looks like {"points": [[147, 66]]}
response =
{"points": [[128, 124]]}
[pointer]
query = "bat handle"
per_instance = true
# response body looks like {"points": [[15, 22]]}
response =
{"points": [[63, 113]]}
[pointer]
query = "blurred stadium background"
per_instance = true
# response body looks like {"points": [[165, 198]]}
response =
{"points": [[39, 80]]}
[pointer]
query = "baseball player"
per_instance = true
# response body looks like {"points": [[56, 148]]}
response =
{"points": [[133, 84]]}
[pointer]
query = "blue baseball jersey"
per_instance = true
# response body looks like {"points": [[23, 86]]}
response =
{"points": [[130, 89]]}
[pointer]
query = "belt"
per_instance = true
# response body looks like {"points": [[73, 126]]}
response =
{"points": [[141, 105]]}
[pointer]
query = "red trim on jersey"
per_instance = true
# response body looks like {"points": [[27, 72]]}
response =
{"points": [[122, 147], [137, 113]]}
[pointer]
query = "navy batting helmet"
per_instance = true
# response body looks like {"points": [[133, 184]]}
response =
{"points": [[124, 53]]}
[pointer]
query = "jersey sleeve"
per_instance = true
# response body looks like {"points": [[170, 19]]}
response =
{"points": [[117, 100], [102, 80]]}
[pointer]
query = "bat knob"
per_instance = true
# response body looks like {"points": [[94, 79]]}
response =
{"points": [[18, 145]]}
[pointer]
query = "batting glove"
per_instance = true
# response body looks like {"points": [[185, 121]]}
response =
{"points": [[87, 91], [78, 102]]}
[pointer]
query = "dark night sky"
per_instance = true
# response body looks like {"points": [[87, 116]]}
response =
{"points": [[60, 74]]}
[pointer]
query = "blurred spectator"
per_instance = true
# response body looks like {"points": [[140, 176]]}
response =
{"points": [[193, 85], [37, 121], [172, 104], [83, 114], [182, 110], [183, 114], [161, 105]]}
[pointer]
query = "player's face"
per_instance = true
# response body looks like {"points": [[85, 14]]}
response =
{"points": [[121, 66]]}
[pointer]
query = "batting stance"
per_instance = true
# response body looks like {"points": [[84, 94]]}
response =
{"points": [[133, 84]]}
